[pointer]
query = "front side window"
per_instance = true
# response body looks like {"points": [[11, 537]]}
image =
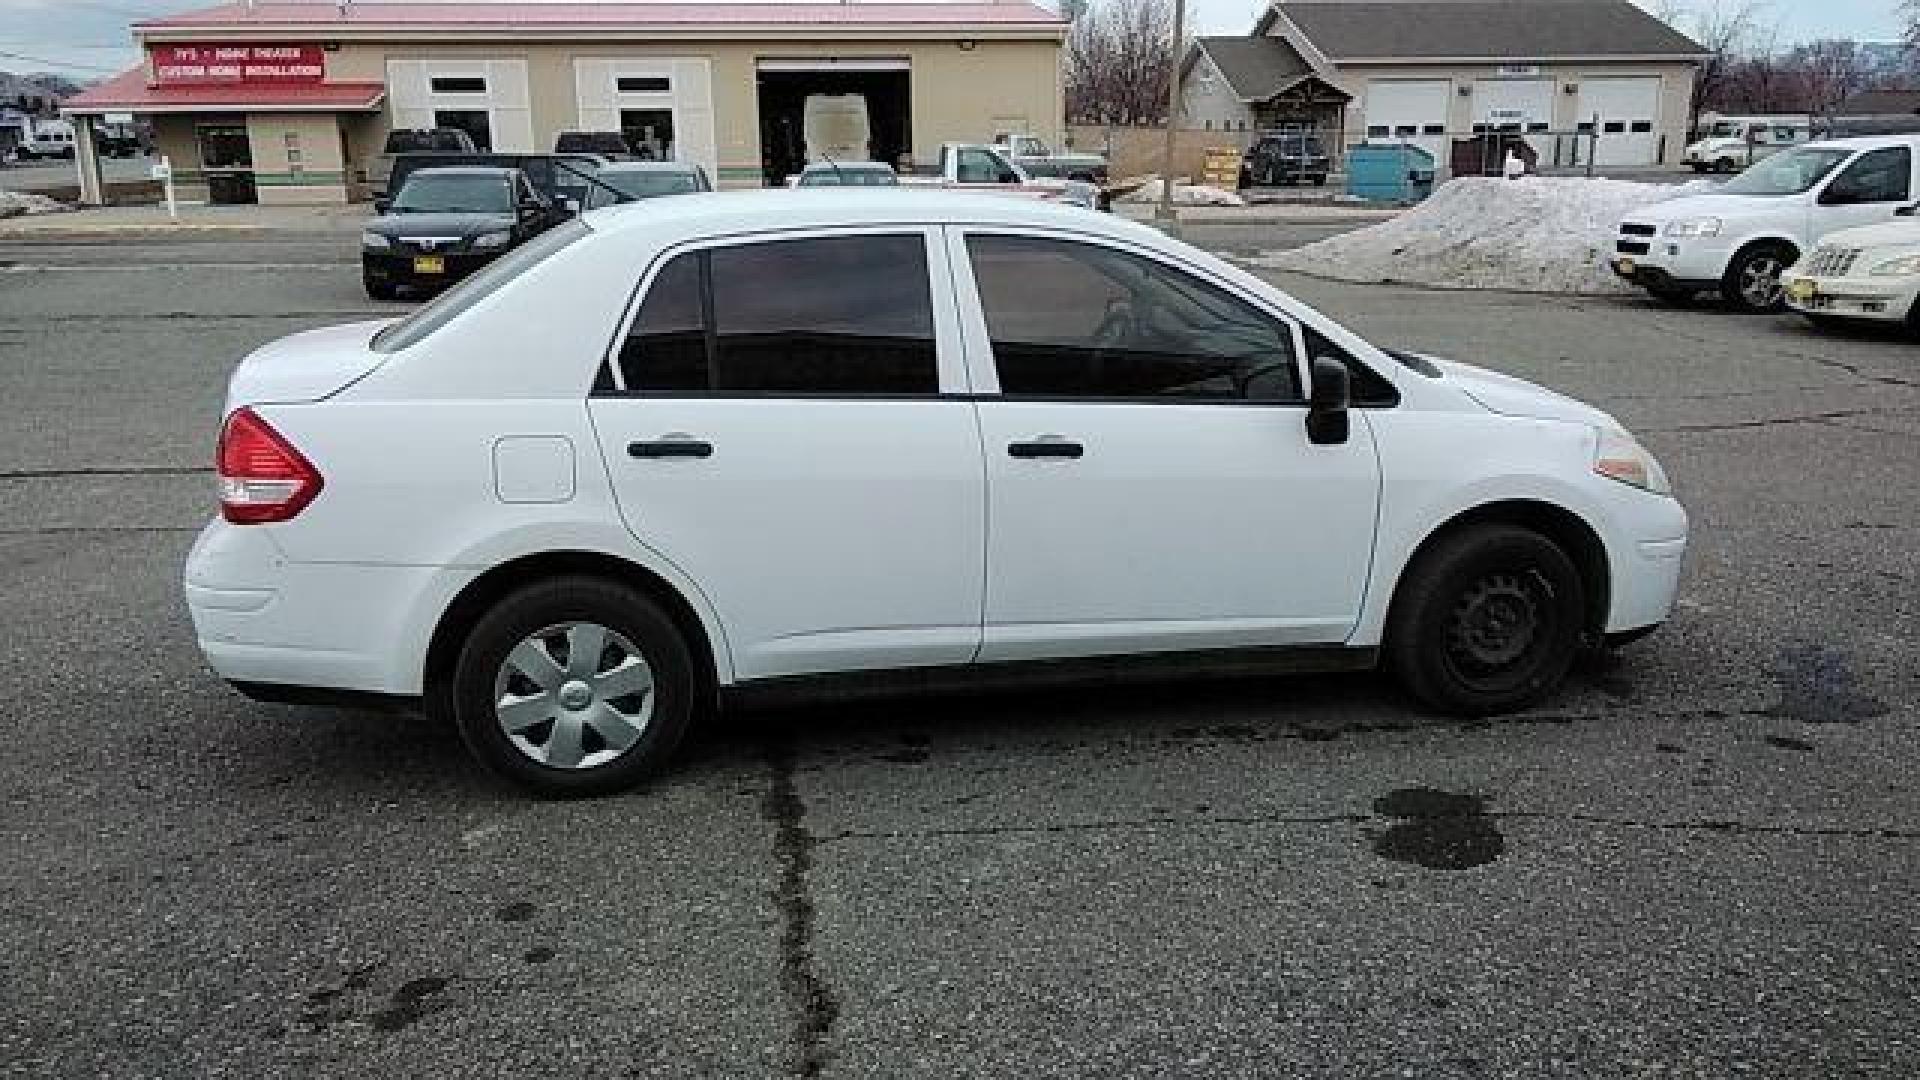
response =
{"points": [[1877, 176], [825, 316], [1078, 320]]}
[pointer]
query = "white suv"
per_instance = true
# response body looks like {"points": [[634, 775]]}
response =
{"points": [[750, 440], [1742, 238]]}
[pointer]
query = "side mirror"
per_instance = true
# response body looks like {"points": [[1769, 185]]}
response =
{"points": [[1328, 402]]}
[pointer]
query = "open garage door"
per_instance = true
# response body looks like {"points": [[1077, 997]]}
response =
{"points": [[1410, 111], [884, 84], [1628, 111]]}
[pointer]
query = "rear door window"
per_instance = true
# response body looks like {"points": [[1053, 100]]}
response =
{"points": [[813, 317]]}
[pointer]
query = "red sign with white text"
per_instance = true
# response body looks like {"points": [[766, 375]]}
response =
{"points": [[232, 65]]}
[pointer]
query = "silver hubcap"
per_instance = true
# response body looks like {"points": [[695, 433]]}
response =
{"points": [[574, 696], [1760, 281]]}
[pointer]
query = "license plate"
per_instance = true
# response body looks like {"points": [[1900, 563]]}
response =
{"points": [[1802, 290], [1624, 267], [429, 264]]}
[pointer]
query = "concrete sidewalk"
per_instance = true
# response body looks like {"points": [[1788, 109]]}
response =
{"points": [[194, 218]]}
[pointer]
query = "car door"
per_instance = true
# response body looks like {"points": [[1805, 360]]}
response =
{"points": [[1866, 191], [775, 425], [1150, 484]]}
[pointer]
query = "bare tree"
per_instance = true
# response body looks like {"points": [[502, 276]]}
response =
{"points": [[1830, 71], [1726, 30], [1119, 58]]}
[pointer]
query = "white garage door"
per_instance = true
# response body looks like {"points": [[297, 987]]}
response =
{"points": [[1518, 105], [626, 94], [1410, 111], [1629, 113]]}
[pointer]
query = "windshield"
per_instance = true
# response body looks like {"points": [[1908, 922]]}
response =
{"points": [[646, 185], [1788, 173], [848, 178], [495, 275], [454, 193]]}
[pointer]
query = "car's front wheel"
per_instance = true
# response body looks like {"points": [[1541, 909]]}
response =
{"points": [[574, 686], [1487, 620], [1756, 278]]}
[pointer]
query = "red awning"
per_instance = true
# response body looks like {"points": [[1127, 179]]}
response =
{"points": [[129, 93]]}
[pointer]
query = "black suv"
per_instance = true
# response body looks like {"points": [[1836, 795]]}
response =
{"points": [[448, 222], [1281, 157]]}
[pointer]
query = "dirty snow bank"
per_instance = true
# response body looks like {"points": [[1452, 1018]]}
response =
{"points": [[1536, 234], [1183, 195], [21, 203]]}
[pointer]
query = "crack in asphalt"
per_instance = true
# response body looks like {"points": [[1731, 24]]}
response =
{"points": [[1718, 826], [1779, 421], [88, 530], [808, 996]]}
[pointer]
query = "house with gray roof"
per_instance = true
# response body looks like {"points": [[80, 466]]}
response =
{"points": [[1577, 78]]}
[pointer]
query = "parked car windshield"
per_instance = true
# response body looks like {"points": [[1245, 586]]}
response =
{"points": [[649, 183], [1788, 173], [848, 178], [454, 193], [451, 304]]}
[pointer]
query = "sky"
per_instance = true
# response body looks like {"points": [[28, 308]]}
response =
{"points": [[89, 39]]}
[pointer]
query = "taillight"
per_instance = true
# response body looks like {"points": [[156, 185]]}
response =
{"points": [[262, 477]]}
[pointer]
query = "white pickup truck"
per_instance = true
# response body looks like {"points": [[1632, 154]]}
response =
{"points": [[1742, 238], [976, 166]]}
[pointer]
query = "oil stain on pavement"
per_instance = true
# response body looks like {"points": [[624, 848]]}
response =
{"points": [[1819, 686], [1440, 830]]}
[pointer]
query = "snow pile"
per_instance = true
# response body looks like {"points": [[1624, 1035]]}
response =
{"points": [[1183, 195], [22, 203], [1536, 234]]}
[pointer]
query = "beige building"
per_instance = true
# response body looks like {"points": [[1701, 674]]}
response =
{"points": [[291, 102], [1579, 79]]}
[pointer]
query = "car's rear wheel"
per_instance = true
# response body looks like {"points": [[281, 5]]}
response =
{"points": [[1486, 620], [1756, 278], [574, 686]]}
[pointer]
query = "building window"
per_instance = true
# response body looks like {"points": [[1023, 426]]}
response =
{"points": [[458, 84], [643, 84]]}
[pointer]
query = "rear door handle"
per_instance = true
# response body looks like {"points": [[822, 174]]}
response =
{"points": [[1046, 448], [671, 448]]}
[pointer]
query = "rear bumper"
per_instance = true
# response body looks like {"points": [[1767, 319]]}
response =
{"points": [[261, 619]]}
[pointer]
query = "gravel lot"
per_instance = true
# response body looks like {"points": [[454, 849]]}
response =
{"points": [[1701, 860]]}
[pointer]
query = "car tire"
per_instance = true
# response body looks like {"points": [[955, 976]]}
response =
{"points": [[1765, 264], [1486, 620], [563, 732], [1726, 165], [1822, 321]]}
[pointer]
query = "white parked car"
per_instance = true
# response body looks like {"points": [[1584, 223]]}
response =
{"points": [[1741, 239], [1869, 274], [721, 442]]}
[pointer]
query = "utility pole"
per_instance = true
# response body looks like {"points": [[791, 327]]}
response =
{"points": [[1173, 109]]}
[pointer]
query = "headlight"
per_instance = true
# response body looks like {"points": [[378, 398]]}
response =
{"points": [[1706, 226], [1618, 456], [1904, 266], [374, 240], [489, 241]]}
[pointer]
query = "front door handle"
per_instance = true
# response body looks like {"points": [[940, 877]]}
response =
{"points": [[671, 448], [1046, 448]]}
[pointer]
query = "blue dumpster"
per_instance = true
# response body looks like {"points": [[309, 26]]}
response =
{"points": [[1389, 172]]}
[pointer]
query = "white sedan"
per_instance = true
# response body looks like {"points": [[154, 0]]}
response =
{"points": [[770, 440], [1866, 274]]}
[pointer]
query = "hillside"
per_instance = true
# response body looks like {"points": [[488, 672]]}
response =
{"points": [[38, 84]]}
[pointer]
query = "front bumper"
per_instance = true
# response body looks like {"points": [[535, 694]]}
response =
{"points": [[1658, 262], [399, 267], [1868, 298]]}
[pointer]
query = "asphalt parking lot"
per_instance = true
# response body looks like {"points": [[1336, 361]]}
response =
{"points": [[1700, 860]]}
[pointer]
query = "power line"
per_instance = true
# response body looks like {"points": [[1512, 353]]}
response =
{"points": [[59, 63]]}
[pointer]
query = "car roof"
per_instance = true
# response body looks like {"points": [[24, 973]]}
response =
{"points": [[1867, 142], [688, 217], [650, 166], [466, 170]]}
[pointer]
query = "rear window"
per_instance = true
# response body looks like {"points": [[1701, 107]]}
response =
{"points": [[451, 304]]}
